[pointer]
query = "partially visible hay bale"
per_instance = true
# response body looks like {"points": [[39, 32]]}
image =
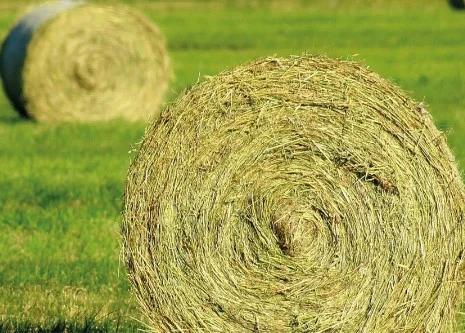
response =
{"points": [[457, 4], [297, 194], [71, 61]]}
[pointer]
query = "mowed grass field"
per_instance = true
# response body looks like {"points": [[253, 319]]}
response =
{"points": [[61, 185]]}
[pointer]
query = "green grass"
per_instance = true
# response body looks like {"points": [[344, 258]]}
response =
{"points": [[61, 185]]}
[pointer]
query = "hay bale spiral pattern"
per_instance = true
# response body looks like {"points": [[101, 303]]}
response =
{"points": [[72, 61], [299, 194]]}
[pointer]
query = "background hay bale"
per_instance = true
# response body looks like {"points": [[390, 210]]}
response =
{"points": [[297, 194], [71, 61]]}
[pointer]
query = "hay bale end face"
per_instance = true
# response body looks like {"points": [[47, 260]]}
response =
{"points": [[299, 194], [72, 61]]}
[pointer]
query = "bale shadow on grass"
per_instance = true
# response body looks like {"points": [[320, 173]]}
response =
{"points": [[11, 120], [457, 4]]}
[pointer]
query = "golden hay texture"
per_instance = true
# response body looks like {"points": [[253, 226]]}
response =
{"points": [[71, 61], [298, 194]]}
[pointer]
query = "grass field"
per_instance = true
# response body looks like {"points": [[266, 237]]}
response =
{"points": [[61, 185]]}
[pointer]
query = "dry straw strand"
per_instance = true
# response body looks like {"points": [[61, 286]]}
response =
{"points": [[73, 61], [299, 194]]}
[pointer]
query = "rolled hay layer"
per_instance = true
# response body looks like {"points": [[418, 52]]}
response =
{"points": [[72, 61], [299, 194]]}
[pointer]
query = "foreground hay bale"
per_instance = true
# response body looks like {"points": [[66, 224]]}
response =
{"points": [[71, 61], [297, 194]]}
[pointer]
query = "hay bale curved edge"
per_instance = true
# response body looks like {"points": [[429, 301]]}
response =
{"points": [[14, 49], [299, 194], [73, 61]]}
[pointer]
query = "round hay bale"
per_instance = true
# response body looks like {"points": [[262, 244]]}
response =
{"points": [[457, 4], [299, 194], [72, 61]]}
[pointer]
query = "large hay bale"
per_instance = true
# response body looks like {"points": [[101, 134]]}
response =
{"points": [[297, 194], [72, 61]]}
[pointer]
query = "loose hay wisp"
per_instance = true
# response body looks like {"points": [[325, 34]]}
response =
{"points": [[297, 194], [72, 61]]}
